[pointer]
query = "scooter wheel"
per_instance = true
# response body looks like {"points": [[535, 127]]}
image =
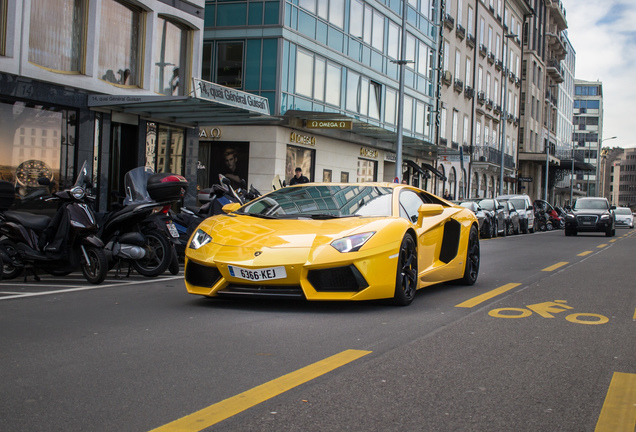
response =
{"points": [[96, 269], [158, 255], [10, 271]]}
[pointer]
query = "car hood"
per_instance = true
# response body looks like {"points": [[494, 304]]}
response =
{"points": [[248, 231], [596, 212]]}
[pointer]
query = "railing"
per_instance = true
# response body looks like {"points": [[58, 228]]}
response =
{"points": [[491, 155]]}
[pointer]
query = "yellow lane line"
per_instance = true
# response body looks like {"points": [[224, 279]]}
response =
{"points": [[601, 246], [229, 407], [556, 266], [635, 314], [619, 409], [585, 253], [487, 296], [612, 241]]}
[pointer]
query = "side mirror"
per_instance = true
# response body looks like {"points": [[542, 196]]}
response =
{"points": [[231, 207], [613, 207], [428, 210], [499, 207]]}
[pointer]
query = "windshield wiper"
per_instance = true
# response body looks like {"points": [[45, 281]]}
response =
{"points": [[325, 216]]}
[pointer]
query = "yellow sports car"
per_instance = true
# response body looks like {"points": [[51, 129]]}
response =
{"points": [[331, 241]]}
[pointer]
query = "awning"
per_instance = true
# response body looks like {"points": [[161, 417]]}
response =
{"points": [[566, 165], [417, 168], [211, 104], [434, 171]]}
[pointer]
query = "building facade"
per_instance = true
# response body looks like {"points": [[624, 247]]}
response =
{"points": [[56, 54], [330, 72], [588, 131]]}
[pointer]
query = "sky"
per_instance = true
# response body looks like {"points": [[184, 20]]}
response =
{"points": [[603, 35]]}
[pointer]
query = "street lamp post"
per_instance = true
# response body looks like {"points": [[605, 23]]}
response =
{"points": [[547, 146], [572, 176], [401, 63], [504, 113]]}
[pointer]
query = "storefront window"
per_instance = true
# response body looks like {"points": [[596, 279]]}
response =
{"points": [[36, 142], [299, 157], [170, 59], [165, 148], [56, 35], [367, 170], [119, 43]]}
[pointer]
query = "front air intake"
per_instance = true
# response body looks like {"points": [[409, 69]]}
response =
{"points": [[347, 279], [201, 276]]}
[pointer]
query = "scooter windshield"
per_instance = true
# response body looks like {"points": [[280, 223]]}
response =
{"points": [[135, 183], [83, 177]]}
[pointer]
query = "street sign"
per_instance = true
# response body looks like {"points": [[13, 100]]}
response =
{"points": [[525, 179], [453, 158], [329, 124]]}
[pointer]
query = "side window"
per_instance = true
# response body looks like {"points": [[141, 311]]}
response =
{"points": [[410, 202]]}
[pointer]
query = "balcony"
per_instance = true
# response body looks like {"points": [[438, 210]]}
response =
{"points": [[490, 104], [510, 118], [469, 92], [454, 145], [460, 31], [557, 12], [498, 64], [443, 142], [517, 82], [449, 22], [497, 109], [470, 41], [491, 57], [459, 85], [492, 156], [482, 50], [481, 97], [551, 97], [511, 76], [554, 70]]}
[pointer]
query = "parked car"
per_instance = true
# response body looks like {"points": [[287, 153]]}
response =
{"points": [[523, 204], [591, 215], [513, 224], [485, 218], [624, 217], [497, 209]]}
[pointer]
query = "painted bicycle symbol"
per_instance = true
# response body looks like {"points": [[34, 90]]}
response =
{"points": [[546, 310]]}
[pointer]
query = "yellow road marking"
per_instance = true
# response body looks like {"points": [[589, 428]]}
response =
{"points": [[229, 407], [635, 314], [556, 266], [601, 245], [619, 410], [487, 296], [612, 241], [585, 253]]}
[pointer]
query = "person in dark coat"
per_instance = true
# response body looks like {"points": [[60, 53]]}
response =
{"points": [[298, 178]]}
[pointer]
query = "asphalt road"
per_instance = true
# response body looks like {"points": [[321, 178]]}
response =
{"points": [[549, 346]]}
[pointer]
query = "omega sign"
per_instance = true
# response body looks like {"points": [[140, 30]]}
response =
{"points": [[214, 133], [302, 139]]}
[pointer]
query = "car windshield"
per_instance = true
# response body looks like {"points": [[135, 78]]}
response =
{"points": [[598, 204], [519, 203], [322, 202], [487, 204], [623, 211]]}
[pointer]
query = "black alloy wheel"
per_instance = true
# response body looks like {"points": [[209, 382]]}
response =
{"points": [[96, 269], [158, 255], [407, 277], [471, 270], [9, 271]]}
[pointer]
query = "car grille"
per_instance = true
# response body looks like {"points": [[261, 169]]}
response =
{"points": [[282, 291], [203, 276], [587, 220], [346, 278]]}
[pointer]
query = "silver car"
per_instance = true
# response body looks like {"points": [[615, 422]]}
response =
{"points": [[523, 204], [624, 217]]}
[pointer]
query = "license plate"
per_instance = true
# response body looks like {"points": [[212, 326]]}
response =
{"points": [[172, 229], [262, 274]]}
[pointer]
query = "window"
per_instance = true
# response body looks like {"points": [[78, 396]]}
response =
{"points": [[310, 5], [334, 78], [489, 38], [366, 170], [446, 55], [480, 76], [420, 114], [478, 133], [119, 43], [319, 81], [496, 95], [368, 22], [423, 55], [455, 125], [469, 25], [410, 50], [394, 40], [488, 79], [377, 38], [390, 105], [442, 121], [466, 140], [469, 71], [170, 57], [355, 18], [410, 203], [56, 35], [336, 12], [304, 73], [482, 27], [458, 63], [459, 12]]}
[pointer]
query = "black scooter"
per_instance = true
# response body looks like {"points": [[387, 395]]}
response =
{"points": [[58, 245]]}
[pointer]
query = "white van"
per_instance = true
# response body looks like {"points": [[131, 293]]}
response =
{"points": [[521, 203]]}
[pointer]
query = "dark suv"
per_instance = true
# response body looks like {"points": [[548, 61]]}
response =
{"points": [[591, 215]]}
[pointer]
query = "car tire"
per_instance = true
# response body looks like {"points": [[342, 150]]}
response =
{"points": [[504, 232], [471, 268], [406, 278]]}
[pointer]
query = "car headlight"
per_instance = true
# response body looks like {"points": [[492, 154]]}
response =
{"points": [[352, 243], [200, 239]]}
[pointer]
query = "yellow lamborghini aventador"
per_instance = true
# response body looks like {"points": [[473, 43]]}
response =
{"points": [[330, 241]]}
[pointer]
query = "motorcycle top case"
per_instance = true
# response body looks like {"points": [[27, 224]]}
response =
{"points": [[166, 187], [7, 194]]}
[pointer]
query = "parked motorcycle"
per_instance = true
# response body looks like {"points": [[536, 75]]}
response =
{"points": [[543, 221], [136, 232], [58, 245]]}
